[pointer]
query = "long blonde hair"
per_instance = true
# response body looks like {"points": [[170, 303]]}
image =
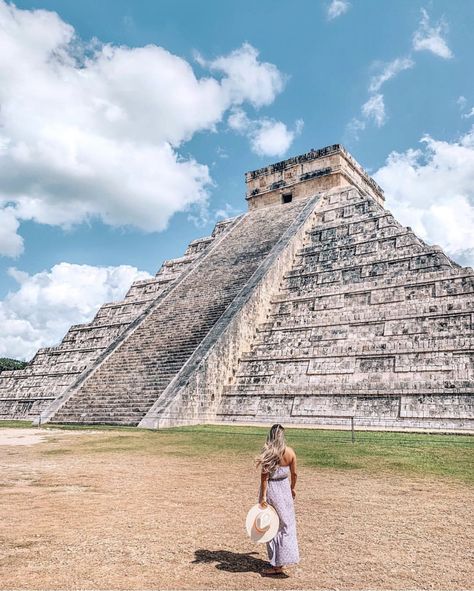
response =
{"points": [[273, 450]]}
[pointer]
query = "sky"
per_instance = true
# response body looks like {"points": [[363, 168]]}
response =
{"points": [[126, 129]]}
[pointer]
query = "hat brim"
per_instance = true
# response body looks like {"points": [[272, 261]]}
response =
{"points": [[259, 536]]}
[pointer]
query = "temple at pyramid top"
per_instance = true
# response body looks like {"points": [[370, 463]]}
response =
{"points": [[307, 174]]}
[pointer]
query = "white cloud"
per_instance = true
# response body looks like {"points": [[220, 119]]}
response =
{"points": [[221, 153], [46, 304], [353, 129], [431, 189], [94, 131], [267, 137], [461, 102], [227, 211], [11, 244], [337, 8], [247, 79], [389, 71], [374, 109], [212, 215], [425, 38], [428, 38], [239, 121], [273, 138]]}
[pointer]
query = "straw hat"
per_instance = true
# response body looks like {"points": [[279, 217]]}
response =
{"points": [[262, 523]]}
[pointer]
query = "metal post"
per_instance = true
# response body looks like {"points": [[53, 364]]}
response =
{"points": [[352, 430]]}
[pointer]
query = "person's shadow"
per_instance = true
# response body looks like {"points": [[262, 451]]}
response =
{"points": [[232, 562]]}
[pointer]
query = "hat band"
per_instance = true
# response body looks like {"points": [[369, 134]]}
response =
{"points": [[260, 530]]}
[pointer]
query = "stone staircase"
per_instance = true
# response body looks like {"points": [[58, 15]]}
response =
{"points": [[369, 322], [123, 385], [26, 393]]}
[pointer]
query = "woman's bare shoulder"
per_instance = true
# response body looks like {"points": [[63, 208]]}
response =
{"points": [[289, 453]]}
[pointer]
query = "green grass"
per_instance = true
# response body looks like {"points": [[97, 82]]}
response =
{"points": [[16, 423], [420, 454]]}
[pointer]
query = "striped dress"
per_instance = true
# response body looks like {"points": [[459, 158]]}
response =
{"points": [[283, 549]]}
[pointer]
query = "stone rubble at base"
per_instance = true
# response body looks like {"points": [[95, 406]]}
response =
{"points": [[313, 307]]}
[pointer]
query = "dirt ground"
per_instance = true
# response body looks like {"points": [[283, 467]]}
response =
{"points": [[113, 520]]}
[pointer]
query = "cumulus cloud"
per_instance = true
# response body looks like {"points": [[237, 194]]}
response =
{"points": [[11, 244], [246, 78], [337, 8], [94, 130], [267, 137], [273, 138], [389, 71], [239, 121], [431, 189], [39, 313], [431, 38]]}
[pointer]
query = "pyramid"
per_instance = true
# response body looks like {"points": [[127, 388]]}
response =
{"points": [[315, 307]]}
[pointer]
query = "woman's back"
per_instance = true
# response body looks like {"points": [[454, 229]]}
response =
{"points": [[287, 457]]}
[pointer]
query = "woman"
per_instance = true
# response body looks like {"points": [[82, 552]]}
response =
{"points": [[277, 462]]}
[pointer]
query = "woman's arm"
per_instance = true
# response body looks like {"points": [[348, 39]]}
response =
{"points": [[293, 474], [263, 488]]}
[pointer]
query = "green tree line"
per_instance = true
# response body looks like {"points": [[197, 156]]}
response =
{"points": [[6, 363]]}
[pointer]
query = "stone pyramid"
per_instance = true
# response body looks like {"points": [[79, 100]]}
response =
{"points": [[313, 307]]}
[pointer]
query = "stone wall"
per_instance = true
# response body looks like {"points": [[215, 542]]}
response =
{"points": [[306, 175], [369, 322]]}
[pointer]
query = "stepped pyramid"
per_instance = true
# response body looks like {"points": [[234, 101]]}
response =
{"points": [[313, 307]]}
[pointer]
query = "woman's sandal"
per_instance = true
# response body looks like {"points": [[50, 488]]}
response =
{"points": [[273, 571]]}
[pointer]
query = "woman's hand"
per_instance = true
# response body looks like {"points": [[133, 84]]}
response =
{"points": [[293, 493]]}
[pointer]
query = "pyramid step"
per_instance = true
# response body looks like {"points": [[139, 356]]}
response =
{"points": [[161, 345]]}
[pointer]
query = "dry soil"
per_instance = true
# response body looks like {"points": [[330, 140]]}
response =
{"points": [[116, 520]]}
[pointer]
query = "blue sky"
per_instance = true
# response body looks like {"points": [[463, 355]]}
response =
{"points": [[88, 123]]}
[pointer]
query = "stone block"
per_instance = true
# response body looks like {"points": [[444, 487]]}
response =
{"points": [[331, 365]]}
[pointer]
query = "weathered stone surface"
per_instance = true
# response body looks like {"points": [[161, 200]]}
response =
{"points": [[369, 322], [305, 175], [309, 310], [26, 393], [132, 377]]}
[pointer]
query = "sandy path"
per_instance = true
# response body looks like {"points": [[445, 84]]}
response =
{"points": [[21, 436], [116, 520]]}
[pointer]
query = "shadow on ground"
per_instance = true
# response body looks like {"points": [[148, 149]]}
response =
{"points": [[232, 562]]}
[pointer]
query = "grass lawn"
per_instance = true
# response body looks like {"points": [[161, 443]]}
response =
{"points": [[450, 456]]}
